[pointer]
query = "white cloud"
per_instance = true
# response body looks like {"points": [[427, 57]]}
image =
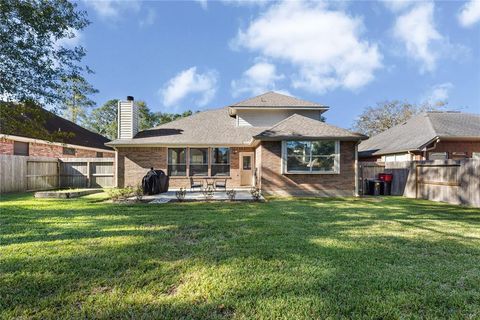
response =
{"points": [[323, 45], [470, 13], [109, 9], [202, 86], [417, 31], [438, 93], [259, 78]]}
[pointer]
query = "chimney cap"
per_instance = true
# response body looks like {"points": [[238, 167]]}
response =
{"points": [[130, 98]]}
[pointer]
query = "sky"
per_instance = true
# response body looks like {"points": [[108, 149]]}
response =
{"points": [[202, 55]]}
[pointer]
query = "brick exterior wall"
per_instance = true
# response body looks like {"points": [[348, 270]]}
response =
{"points": [[134, 163], [274, 182], [6, 146], [456, 146], [51, 150]]}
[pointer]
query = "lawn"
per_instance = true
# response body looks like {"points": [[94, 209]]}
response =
{"points": [[385, 258]]}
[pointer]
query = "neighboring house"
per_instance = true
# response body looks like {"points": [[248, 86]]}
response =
{"points": [[273, 141], [427, 136], [71, 140]]}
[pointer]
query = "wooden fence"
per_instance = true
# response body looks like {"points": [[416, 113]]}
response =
{"points": [[400, 171], [452, 181], [20, 173]]}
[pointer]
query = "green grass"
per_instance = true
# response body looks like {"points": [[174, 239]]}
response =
{"points": [[380, 258]]}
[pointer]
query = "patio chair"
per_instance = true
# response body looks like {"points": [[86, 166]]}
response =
{"points": [[195, 184], [221, 184]]}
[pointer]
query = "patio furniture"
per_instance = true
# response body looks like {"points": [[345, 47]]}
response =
{"points": [[195, 184], [221, 184], [210, 183]]}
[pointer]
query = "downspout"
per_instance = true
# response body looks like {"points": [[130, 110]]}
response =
{"points": [[431, 148], [357, 194]]}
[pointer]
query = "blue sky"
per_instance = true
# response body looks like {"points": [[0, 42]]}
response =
{"points": [[347, 55]]}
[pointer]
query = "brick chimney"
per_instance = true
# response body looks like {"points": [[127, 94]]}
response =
{"points": [[127, 118]]}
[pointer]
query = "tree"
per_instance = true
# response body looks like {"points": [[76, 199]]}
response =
{"points": [[103, 120], [387, 114], [33, 60], [146, 118], [74, 94]]}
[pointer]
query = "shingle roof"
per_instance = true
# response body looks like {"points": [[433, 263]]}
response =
{"points": [[420, 130], [298, 126], [52, 124], [212, 127], [274, 99]]}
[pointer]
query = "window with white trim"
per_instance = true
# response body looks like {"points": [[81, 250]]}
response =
{"points": [[320, 156], [177, 161]]}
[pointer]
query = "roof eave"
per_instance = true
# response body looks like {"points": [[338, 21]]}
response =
{"points": [[287, 137], [232, 110]]}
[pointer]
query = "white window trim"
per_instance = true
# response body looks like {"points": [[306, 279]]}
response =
{"points": [[336, 163]]}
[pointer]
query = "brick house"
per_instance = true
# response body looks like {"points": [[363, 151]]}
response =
{"points": [[427, 136], [73, 142], [273, 141]]}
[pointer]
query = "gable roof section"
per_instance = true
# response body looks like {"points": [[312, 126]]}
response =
{"points": [[212, 127], [274, 99], [420, 130], [75, 134], [301, 127]]}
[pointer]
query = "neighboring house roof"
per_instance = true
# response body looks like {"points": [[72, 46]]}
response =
{"points": [[52, 124], [421, 130], [212, 127], [298, 127]]}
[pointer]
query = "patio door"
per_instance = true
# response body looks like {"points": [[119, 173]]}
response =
{"points": [[246, 168]]}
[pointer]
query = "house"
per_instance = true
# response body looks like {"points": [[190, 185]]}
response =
{"points": [[272, 141], [47, 135], [427, 136]]}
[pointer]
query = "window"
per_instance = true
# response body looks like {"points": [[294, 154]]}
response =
{"points": [[69, 151], [177, 162], [99, 154], [476, 155], [20, 148], [220, 162], [312, 156], [199, 161], [247, 162], [437, 156], [459, 155]]}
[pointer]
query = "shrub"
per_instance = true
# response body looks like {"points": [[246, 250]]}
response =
{"points": [[120, 193], [180, 194], [256, 193], [231, 194]]}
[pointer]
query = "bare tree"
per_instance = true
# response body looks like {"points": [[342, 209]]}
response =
{"points": [[387, 114]]}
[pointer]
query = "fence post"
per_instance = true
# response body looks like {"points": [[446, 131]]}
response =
{"points": [[88, 174]]}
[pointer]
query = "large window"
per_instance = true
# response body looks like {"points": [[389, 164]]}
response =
{"points": [[20, 148], [220, 162], [199, 161], [311, 157], [177, 162]]}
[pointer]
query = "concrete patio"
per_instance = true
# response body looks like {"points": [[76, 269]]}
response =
{"points": [[241, 195]]}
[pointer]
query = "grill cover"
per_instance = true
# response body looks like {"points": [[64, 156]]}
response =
{"points": [[155, 182]]}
